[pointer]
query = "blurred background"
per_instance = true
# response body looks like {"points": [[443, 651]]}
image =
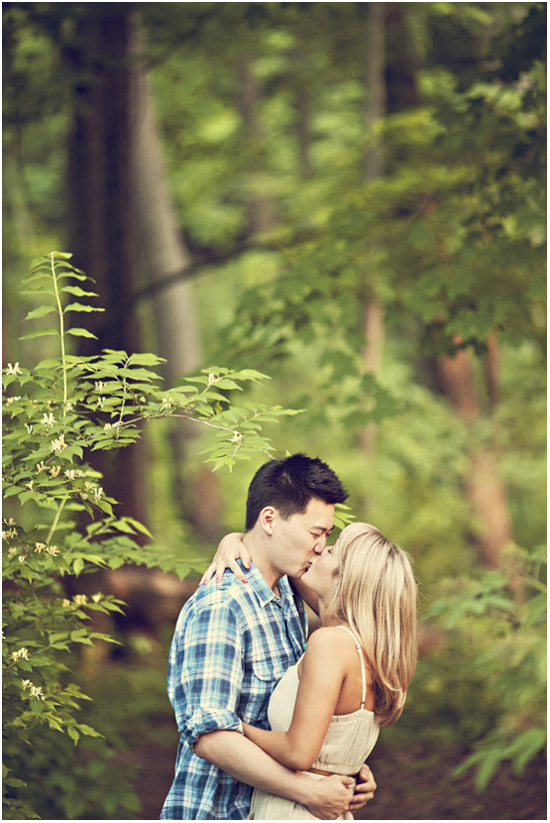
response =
{"points": [[349, 198]]}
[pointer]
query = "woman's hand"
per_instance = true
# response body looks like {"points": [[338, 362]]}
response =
{"points": [[364, 789], [231, 548]]}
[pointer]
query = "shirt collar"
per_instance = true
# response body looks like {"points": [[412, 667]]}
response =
{"points": [[265, 595]]}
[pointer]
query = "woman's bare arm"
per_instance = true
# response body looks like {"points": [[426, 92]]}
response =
{"points": [[318, 693], [230, 549], [305, 593]]}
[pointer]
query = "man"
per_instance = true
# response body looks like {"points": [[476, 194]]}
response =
{"points": [[233, 643]]}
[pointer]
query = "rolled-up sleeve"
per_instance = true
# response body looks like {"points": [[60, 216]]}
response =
{"points": [[207, 672]]}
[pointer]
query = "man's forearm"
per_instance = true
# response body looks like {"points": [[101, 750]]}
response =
{"points": [[239, 757]]}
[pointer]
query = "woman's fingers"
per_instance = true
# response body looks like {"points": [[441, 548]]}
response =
{"points": [[207, 576]]}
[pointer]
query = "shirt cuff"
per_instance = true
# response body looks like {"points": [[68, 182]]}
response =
{"points": [[200, 721]]}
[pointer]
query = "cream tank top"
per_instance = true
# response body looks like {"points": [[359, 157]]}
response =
{"points": [[350, 738]]}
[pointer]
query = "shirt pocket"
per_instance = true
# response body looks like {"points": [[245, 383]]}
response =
{"points": [[263, 675], [268, 669]]}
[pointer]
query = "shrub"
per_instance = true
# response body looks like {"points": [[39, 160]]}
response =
{"points": [[66, 410]]}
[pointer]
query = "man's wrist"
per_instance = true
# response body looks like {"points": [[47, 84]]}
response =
{"points": [[302, 788]]}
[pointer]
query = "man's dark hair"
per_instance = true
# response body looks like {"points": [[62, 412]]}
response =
{"points": [[289, 484]]}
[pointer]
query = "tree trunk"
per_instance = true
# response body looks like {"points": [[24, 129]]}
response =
{"points": [[160, 248], [162, 253], [374, 168], [261, 213], [485, 489], [101, 229]]}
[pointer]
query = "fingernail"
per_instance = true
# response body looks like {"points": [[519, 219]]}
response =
{"points": [[244, 579], [248, 565], [217, 579]]}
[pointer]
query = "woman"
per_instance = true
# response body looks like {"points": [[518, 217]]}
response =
{"points": [[326, 711]]}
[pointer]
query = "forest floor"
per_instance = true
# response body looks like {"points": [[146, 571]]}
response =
{"points": [[412, 785]]}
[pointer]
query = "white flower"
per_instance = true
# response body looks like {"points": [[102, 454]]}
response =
{"points": [[99, 385], [9, 534], [53, 550], [26, 683], [39, 547], [58, 445], [29, 485], [73, 473], [106, 427], [68, 407], [28, 428], [11, 400], [97, 493], [15, 370], [22, 558], [66, 603], [48, 419], [22, 652], [54, 471], [36, 691], [80, 599], [40, 467]]}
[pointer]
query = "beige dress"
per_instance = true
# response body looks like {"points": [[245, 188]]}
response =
{"points": [[349, 741]]}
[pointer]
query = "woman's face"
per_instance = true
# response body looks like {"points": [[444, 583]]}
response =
{"points": [[321, 574]]}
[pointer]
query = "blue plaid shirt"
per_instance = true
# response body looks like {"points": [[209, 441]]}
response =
{"points": [[231, 646]]}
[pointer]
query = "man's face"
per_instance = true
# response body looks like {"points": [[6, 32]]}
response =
{"points": [[296, 541]]}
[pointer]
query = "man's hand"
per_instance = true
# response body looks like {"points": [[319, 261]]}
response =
{"points": [[230, 549], [330, 796], [364, 789]]}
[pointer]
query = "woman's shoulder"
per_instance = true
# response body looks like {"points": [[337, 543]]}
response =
{"points": [[330, 638]]}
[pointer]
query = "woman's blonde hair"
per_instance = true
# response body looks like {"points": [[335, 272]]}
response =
{"points": [[376, 595]]}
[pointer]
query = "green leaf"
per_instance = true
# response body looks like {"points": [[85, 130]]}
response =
{"points": [[41, 311], [81, 333], [42, 333], [81, 307], [78, 292], [78, 565]]}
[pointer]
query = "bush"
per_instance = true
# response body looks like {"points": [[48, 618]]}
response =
{"points": [[66, 410], [500, 623]]}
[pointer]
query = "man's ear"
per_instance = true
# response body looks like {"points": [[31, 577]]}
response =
{"points": [[266, 518]]}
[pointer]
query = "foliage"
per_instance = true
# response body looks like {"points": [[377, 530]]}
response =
{"points": [[72, 407], [502, 617], [450, 241]]}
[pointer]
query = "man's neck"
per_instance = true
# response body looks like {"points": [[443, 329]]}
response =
{"points": [[260, 557]]}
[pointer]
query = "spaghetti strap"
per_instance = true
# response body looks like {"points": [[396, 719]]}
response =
{"points": [[361, 658]]}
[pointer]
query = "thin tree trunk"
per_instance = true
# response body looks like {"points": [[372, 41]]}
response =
{"points": [[161, 250], [374, 168], [161, 253], [376, 89], [485, 488], [261, 213]]}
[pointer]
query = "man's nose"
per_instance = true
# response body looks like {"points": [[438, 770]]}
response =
{"points": [[320, 544]]}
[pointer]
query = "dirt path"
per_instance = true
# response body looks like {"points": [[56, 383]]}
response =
{"points": [[411, 786]]}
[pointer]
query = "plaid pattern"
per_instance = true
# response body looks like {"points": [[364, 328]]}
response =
{"points": [[232, 644]]}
